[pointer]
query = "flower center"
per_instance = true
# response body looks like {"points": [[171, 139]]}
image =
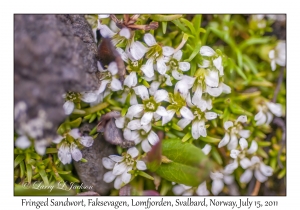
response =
{"points": [[128, 160], [150, 105]]}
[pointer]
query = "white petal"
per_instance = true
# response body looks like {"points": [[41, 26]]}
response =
{"points": [[147, 127], [58, 139], [108, 177], [75, 133], [273, 65], [231, 167], [210, 115], [205, 64], [276, 109], [261, 118], [130, 80], [217, 186], [22, 142], [161, 95], [116, 158], [168, 51], [183, 122], [153, 138], [184, 66], [244, 133], [215, 92], [147, 117], [177, 75], [206, 51], [234, 153], [243, 143], [233, 142], [154, 87], [187, 113], [134, 125], [126, 177], [178, 190], [255, 160], [269, 117], [102, 86], [161, 65], [167, 118], [138, 50], [225, 88], [161, 111], [68, 107], [119, 168], [178, 55], [103, 16], [245, 163], [141, 165], [115, 85], [149, 39], [202, 189], [86, 141], [168, 80], [118, 182], [259, 176], [195, 129], [133, 99], [76, 154], [148, 68], [216, 175], [253, 148], [196, 99], [125, 32], [266, 170], [188, 100], [224, 141], [133, 152], [123, 54], [134, 110], [146, 146], [228, 124], [89, 97], [242, 119], [272, 54], [212, 79], [64, 154], [228, 179], [120, 122], [202, 128], [206, 149], [218, 64], [141, 91], [246, 176], [105, 31], [108, 163]]}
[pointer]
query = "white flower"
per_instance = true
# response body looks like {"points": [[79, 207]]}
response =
{"points": [[156, 55], [278, 55], [120, 166], [182, 189], [109, 76], [177, 67], [67, 151], [198, 119], [22, 142], [184, 85], [218, 181], [207, 51], [151, 105], [244, 149], [206, 149], [265, 114], [261, 171], [202, 189], [233, 131]]}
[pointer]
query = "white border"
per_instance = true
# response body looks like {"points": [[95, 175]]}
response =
{"points": [[150, 6]]}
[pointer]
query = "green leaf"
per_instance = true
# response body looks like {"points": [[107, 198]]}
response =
{"points": [[189, 25], [186, 137], [253, 41], [18, 160], [164, 26], [75, 123], [238, 110], [29, 172], [209, 139], [216, 156], [69, 178], [263, 143], [142, 173], [22, 169], [63, 172], [44, 176], [195, 52], [189, 166], [197, 23], [181, 26], [162, 18], [51, 150]]}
